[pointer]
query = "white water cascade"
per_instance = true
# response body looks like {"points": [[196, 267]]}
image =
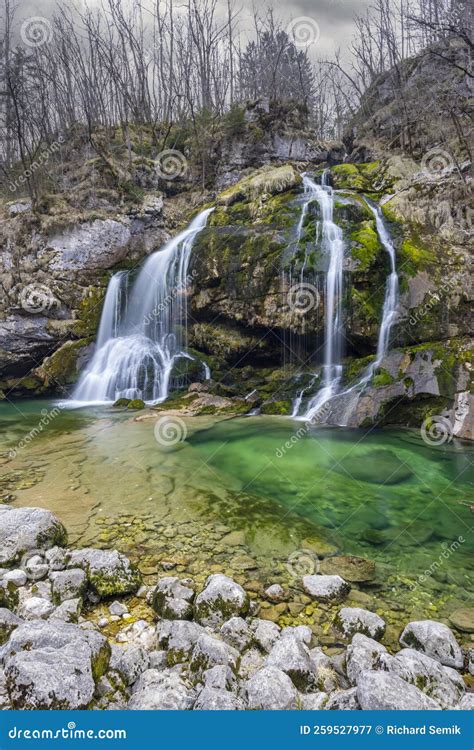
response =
{"points": [[142, 331], [333, 245]]}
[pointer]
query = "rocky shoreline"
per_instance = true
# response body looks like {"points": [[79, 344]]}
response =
{"points": [[80, 630]]}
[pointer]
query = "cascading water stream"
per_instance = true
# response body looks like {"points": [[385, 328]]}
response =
{"points": [[142, 332], [332, 243]]}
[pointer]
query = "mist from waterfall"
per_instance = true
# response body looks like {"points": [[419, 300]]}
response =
{"points": [[142, 333]]}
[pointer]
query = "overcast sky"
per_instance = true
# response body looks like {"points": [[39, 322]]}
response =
{"points": [[334, 18]]}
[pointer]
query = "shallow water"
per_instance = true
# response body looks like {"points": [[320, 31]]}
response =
{"points": [[383, 495]]}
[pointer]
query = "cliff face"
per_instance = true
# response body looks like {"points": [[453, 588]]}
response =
{"points": [[57, 260]]}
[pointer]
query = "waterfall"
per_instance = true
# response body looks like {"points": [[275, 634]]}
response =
{"points": [[333, 245], [142, 332], [390, 305]]}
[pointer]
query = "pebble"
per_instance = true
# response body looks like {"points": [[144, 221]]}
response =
{"points": [[117, 608]]}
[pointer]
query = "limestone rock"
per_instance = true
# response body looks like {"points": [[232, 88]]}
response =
{"points": [[67, 584], [53, 666], [212, 699], [172, 599], [351, 620], [381, 691], [291, 656], [433, 639], [109, 573], [178, 638], [270, 689], [236, 633], [326, 587], [23, 530], [161, 691], [443, 684], [220, 599], [363, 654]]}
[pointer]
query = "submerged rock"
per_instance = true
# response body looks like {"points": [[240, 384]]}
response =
{"points": [[376, 466], [463, 619], [433, 639], [350, 568], [24, 530]]}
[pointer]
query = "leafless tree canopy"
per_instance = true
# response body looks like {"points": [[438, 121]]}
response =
{"points": [[124, 65]]}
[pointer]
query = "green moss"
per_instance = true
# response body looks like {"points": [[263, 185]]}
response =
{"points": [[268, 179], [382, 377], [414, 256], [61, 367], [367, 177], [135, 403], [122, 402], [365, 244], [277, 408], [89, 312]]}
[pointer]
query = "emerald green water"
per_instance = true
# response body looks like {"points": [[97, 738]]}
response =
{"points": [[382, 495]]}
